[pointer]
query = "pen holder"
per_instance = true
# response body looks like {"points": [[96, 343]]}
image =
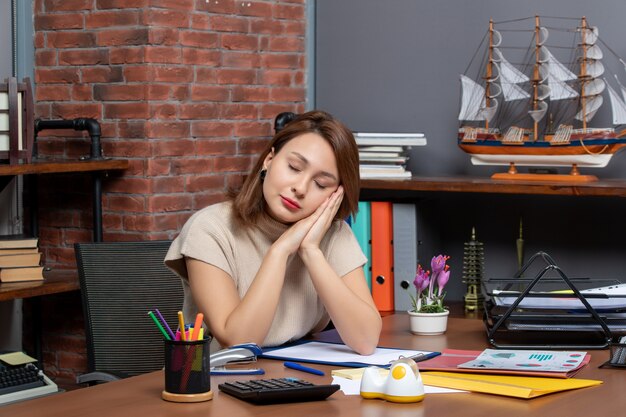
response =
{"points": [[618, 356], [187, 371]]}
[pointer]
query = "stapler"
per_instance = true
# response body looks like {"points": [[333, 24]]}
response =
{"points": [[236, 354], [403, 384]]}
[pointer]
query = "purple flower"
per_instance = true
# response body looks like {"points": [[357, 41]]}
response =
{"points": [[442, 279], [438, 263], [421, 279]]}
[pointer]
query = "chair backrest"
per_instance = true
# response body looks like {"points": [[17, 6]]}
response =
{"points": [[120, 283]]}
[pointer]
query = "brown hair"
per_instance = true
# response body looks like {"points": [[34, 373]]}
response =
{"points": [[249, 203]]}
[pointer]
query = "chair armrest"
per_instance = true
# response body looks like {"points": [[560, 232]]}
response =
{"points": [[96, 377]]}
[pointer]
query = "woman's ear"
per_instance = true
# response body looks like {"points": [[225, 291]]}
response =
{"points": [[268, 159]]}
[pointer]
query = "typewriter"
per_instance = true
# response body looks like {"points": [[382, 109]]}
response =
{"points": [[23, 381]]}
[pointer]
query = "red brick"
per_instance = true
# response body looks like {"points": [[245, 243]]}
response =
{"points": [[267, 26], [250, 94], [111, 19], [185, 166], [169, 18], [236, 76], [211, 129], [138, 73], [269, 111], [200, 22], [69, 360], [248, 8], [132, 129], [131, 185], [202, 183], [62, 75], [163, 111], [105, 74], [126, 203], [157, 91], [112, 221], [119, 92], [84, 57], [167, 203], [205, 75], [45, 57], [291, 12], [168, 129], [163, 54], [180, 92], [286, 44], [114, 37], [280, 61], [53, 93], [218, 7], [187, 5], [164, 36], [253, 129], [173, 74], [130, 55], [72, 111], [40, 40], [197, 38], [172, 148], [198, 111], [121, 4], [223, 23], [204, 200], [252, 146], [287, 94], [240, 59], [126, 110], [240, 42], [168, 185], [58, 21], [212, 147], [132, 148], [294, 28], [209, 93], [158, 167], [71, 40], [67, 5], [83, 92], [198, 56], [239, 111], [233, 163], [277, 77]]}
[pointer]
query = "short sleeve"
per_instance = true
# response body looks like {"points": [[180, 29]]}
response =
{"points": [[344, 253]]}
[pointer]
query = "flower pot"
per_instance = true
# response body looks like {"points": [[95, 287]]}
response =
{"points": [[428, 323]]}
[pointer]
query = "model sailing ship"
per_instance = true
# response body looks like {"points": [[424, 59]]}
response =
{"points": [[537, 113]]}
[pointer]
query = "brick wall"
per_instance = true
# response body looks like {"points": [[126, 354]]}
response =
{"points": [[186, 90]]}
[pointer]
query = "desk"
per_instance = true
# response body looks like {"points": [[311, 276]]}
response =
{"points": [[55, 282], [142, 395]]}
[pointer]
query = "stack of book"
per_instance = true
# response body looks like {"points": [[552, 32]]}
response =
{"points": [[20, 259], [384, 155]]}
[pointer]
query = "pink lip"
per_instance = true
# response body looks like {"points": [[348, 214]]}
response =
{"points": [[290, 204]]}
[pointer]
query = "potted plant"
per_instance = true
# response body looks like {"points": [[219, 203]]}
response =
{"points": [[429, 316]]}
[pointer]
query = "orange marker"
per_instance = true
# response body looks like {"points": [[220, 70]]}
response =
{"points": [[196, 326]]}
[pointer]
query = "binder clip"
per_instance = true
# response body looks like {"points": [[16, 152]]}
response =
{"points": [[234, 355], [402, 385]]}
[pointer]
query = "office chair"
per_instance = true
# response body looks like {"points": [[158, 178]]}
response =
{"points": [[120, 282]]}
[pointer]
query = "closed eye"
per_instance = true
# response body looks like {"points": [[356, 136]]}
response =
{"points": [[320, 186], [293, 168]]}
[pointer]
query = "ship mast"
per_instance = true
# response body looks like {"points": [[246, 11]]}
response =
{"points": [[536, 78], [583, 72], [489, 70]]}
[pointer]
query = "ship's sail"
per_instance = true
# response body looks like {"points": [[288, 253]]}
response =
{"points": [[557, 76], [509, 78], [618, 105], [473, 106], [592, 69]]}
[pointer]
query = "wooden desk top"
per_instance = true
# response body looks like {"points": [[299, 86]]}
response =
{"points": [[605, 188], [142, 395], [56, 281]]}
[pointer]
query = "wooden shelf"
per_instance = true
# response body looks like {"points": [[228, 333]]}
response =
{"points": [[51, 167], [602, 188], [55, 281]]}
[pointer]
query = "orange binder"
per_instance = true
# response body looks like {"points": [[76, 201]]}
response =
{"points": [[382, 255]]}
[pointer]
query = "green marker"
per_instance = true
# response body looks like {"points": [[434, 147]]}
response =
{"points": [[165, 335]]}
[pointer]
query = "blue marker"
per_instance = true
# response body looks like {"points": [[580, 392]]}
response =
{"points": [[298, 367]]}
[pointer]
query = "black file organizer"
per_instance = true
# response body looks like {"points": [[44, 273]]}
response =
{"points": [[521, 326]]}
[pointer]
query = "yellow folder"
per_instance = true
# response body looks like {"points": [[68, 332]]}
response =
{"points": [[512, 386]]}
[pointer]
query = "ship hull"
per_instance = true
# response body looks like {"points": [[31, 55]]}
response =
{"points": [[595, 153]]}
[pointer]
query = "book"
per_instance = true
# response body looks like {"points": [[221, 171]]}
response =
{"points": [[390, 141], [378, 174], [328, 353], [18, 241], [20, 259], [382, 255], [30, 273], [18, 251], [370, 154], [362, 229], [386, 149], [384, 159], [387, 135], [404, 254], [450, 359], [507, 385]]}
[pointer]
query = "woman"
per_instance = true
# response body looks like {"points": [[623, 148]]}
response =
{"points": [[277, 262]]}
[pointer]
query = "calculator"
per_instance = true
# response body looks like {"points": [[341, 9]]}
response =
{"points": [[278, 390]]}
